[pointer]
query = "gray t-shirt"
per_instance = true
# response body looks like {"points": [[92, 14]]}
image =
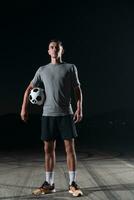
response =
{"points": [[58, 81]]}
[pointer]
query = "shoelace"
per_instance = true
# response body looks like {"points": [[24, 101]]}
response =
{"points": [[74, 185], [45, 184]]}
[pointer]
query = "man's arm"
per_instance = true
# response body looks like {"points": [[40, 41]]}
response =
{"points": [[79, 98], [24, 108]]}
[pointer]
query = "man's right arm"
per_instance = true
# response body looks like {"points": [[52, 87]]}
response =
{"points": [[24, 108]]}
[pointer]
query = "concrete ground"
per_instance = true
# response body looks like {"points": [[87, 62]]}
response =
{"points": [[102, 174]]}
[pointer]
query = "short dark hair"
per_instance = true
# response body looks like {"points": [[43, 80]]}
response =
{"points": [[57, 41]]}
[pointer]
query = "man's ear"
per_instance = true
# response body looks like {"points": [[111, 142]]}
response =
{"points": [[62, 51], [48, 52]]}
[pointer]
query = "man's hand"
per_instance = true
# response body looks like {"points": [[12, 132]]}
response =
{"points": [[24, 115], [77, 116], [24, 110]]}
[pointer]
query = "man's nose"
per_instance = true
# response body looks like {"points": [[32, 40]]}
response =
{"points": [[55, 49]]}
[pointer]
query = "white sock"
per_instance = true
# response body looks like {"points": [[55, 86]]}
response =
{"points": [[50, 177], [72, 177]]}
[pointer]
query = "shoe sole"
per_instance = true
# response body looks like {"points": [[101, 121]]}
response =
{"points": [[40, 193], [51, 191], [76, 195]]}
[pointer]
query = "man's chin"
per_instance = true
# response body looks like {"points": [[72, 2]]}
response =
{"points": [[54, 56]]}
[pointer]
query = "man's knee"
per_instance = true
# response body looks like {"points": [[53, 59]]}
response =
{"points": [[69, 146], [49, 147]]}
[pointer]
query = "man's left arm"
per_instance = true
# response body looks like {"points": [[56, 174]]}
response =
{"points": [[79, 98]]}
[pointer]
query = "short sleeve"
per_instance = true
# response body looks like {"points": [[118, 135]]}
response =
{"points": [[36, 81], [75, 78]]}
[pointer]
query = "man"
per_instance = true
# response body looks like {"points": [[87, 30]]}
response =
{"points": [[58, 79]]}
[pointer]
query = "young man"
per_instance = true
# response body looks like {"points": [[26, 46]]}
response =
{"points": [[58, 79]]}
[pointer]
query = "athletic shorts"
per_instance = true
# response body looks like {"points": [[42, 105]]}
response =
{"points": [[59, 126]]}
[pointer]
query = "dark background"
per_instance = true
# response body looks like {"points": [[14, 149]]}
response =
{"points": [[98, 39]]}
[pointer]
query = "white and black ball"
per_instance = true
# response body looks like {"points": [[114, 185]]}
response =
{"points": [[37, 96]]}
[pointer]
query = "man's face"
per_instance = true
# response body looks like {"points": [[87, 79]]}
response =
{"points": [[55, 50]]}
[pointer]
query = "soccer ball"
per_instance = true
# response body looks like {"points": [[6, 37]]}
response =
{"points": [[37, 96]]}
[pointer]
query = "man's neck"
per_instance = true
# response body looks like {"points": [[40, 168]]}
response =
{"points": [[56, 61]]}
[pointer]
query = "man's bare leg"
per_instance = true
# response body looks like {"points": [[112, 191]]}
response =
{"points": [[48, 185], [71, 164], [49, 149]]}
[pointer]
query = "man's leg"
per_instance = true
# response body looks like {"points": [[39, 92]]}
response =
{"points": [[49, 149], [71, 164], [48, 185], [71, 155], [71, 159]]}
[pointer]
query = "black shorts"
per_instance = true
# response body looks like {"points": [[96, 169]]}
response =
{"points": [[59, 126]]}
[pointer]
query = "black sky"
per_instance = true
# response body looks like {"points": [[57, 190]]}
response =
{"points": [[97, 36]]}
